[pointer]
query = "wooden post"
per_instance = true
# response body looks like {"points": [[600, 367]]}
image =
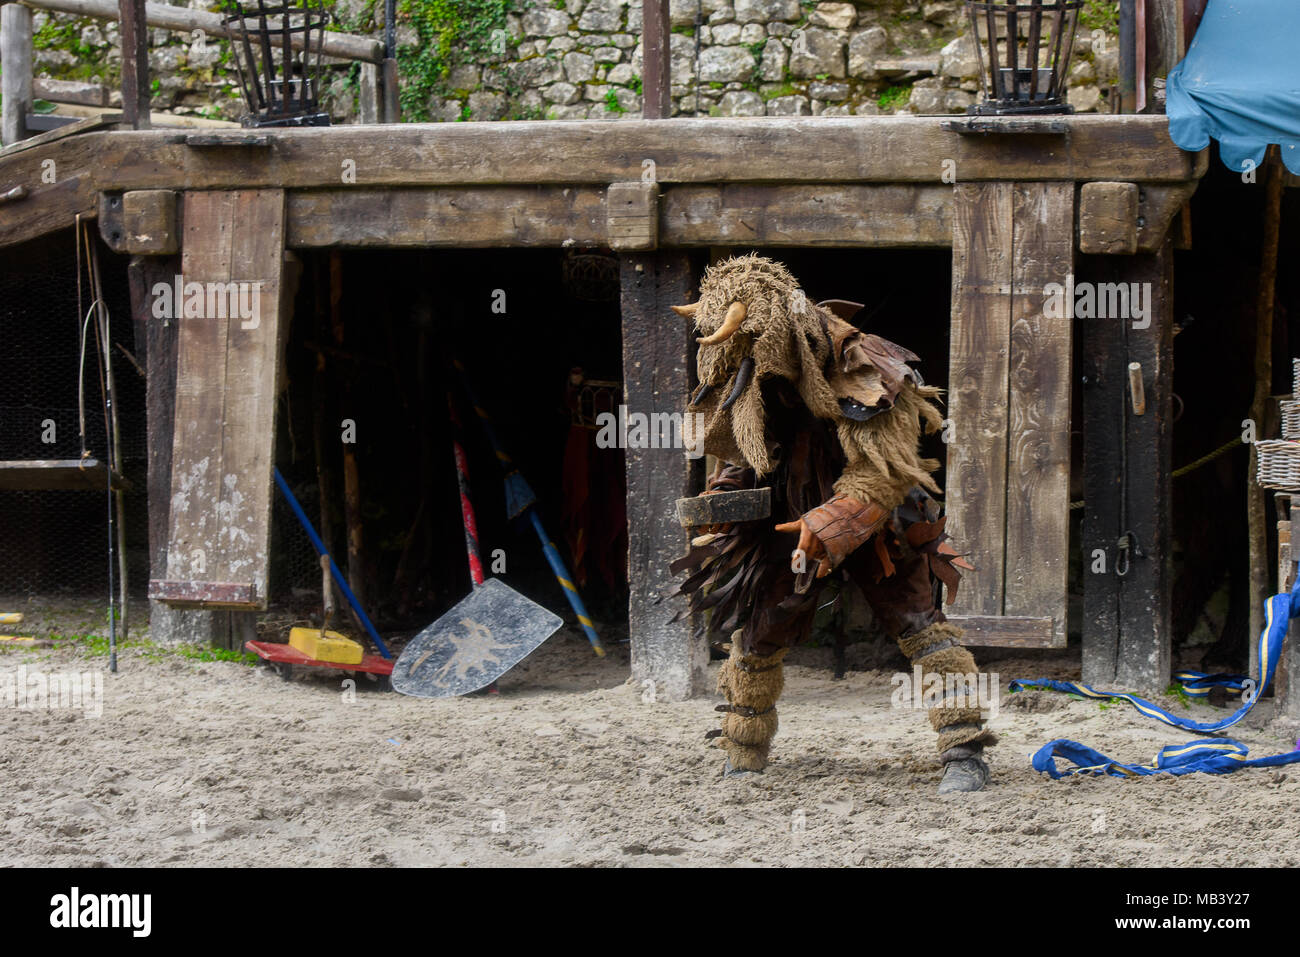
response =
{"points": [[1127, 468], [156, 345], [1128, 54], [1286, 683], [136, 95], [16, 61], [370, 106], [657, 358], [227, 386], [351, 475], [1265, 294], [656, 89], [392, 104]]}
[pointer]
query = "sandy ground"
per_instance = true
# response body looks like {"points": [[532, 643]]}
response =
{"points": [[218, 763]]}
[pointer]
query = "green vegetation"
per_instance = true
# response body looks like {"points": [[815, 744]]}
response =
{"points": [[785, 89], [447, 30], [612, 104], [97, 646], [1100, 15], [756, 51], [894, 97]]}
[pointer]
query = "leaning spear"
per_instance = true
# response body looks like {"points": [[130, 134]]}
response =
{"points": [[520, 498]]}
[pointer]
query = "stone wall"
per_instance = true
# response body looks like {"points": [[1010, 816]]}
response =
{"points": [[581, 59]]}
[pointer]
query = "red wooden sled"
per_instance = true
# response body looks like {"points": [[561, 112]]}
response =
{"points": [[284, 658]]}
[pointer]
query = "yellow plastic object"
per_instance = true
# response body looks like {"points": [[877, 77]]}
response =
{"points": [[11, 617], [333, 647]]}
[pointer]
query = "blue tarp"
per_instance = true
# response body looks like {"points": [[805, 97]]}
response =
{"points": [[1240, 83]]}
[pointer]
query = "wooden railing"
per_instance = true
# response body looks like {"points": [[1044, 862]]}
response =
{"points": [[16, 55]]}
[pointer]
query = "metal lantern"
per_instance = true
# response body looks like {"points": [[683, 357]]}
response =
{"points": [[278, 56], [1024, 49]]}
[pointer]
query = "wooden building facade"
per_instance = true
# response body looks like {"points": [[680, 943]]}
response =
{"points": [[1022, 205]]}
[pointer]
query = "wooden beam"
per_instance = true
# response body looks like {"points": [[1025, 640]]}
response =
{"points": [[714, 151], [227, 385], [1108, 218], [1157, 207], [657, 357], [80, 92], [475, 217], [184, 20], [48, 474], [871, 216], [16, 82], [982, 272], [141, 222], [1006, 631], [1126, 622], [834, 214], [632, 216], [656, 59], [136, 92]]}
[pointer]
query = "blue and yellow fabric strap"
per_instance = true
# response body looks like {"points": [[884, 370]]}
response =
{"points": [[1213, 756]]}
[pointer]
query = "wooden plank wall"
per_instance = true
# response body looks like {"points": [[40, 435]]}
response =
{"points": [[227, 384], [1009, 406]]}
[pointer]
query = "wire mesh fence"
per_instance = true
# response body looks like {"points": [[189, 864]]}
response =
{"points": [[52, 409]]}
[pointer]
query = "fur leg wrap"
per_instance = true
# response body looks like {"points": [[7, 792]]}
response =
{"points": [[751, 684], [937, 651]]}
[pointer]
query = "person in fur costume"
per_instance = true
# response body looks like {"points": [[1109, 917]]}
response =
{"points": [[796, 398]]}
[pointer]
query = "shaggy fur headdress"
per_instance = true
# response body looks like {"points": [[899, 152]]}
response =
{"points": [[860, 382]]}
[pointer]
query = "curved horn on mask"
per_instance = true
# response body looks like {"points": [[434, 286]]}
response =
{"points": [[743, 375], [700, 393], [735, 316], [687, 311]]}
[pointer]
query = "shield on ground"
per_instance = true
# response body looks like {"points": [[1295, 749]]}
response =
{"points": [[485, 635]]}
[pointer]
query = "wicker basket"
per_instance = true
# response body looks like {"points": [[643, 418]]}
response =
{"points": [[1295, 376], [1290, 418], [1279, 464]]}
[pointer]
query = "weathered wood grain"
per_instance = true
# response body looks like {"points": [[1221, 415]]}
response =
{"points": [[1108, 215], [1006, 631], [1038, 407], [142, 222], [168, 16], [832, 214], [977, 381], [226, 390], [446, 216], [16, 79], [632, 216], [716, 150], [657, 357], [877, 215], [1127, 461]]}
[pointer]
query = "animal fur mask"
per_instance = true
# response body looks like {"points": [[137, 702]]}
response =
{"points": [[755, 323]]}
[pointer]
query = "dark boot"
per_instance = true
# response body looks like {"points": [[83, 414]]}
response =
{"points": [[963, 769]]}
